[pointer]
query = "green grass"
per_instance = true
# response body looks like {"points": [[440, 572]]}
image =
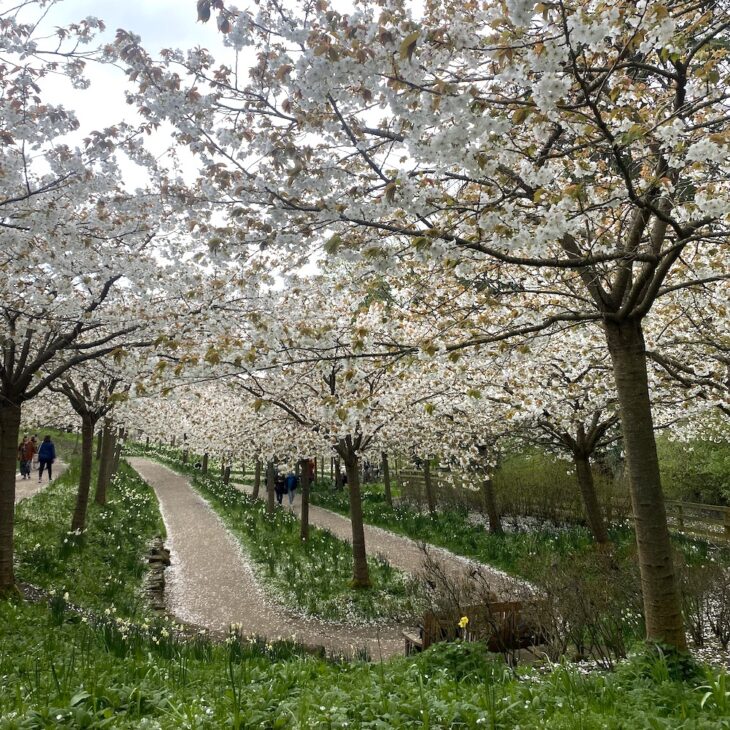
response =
{"points": [[103, 565], [66, 676]]}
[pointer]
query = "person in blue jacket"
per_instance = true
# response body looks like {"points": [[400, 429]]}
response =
{"points": [[291, 485], [46, 457]]}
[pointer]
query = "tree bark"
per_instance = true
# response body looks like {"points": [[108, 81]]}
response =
{"points": [[100, 441], [430, 500], [78, 521], [270, 488], [227, 475], [9, 431], [117, 454], [490, 506], [360, 573], [662, 606], [386, 479], [594, 513], [338, 474], [204, 466], [102, 477], [257, 479], [304, 519]]}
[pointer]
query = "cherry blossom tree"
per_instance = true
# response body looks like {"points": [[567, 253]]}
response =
{"points": [[82, 272], [586, 143]]}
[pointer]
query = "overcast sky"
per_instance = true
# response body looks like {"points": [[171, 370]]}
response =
{"points": [[160, 23]]}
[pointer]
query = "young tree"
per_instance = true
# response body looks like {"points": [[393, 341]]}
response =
{"points": [[92, 391]]}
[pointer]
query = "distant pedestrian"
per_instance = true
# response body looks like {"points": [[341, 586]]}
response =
{"points": [[25, 456], [279, 487], [46, 457], [291, 485]]}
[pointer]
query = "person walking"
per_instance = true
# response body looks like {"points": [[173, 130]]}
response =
{"points": [[279, 487], [46, 457], [25, 456], [291, 485]]}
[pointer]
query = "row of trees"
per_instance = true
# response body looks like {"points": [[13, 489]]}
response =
{"points": [[519, 213]]}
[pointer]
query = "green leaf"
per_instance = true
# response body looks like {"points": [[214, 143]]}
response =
{"points": [[79, 697]]}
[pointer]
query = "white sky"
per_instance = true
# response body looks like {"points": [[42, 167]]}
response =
{"points": [[160, 24]]}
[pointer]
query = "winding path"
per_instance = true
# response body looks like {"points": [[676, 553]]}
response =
{"points": [[210, 582], [403, 552]]}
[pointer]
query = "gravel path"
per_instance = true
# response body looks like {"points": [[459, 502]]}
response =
{"points": [[402, 552], [26, 488], [210, 582]]}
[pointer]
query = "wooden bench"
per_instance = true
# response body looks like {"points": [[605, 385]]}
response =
{"points": [[499, 624]]}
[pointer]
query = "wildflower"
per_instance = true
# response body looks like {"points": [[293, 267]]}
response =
{"points": [[463, 621]]}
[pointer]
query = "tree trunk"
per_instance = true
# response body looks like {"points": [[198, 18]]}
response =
{"points": [[270, 476], [430, 500], [594, 513], [386, 479], [662, 606], [102, 477], [185, 456], [78, 522], [490, 506], [257, 479], [117, 455], [360, 574], [304, 518], [100, 441], [338, 475], [227, 475], [9, 431], [204, 467]]}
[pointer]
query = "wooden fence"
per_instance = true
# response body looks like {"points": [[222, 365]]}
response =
{"points": [[453, 490]]}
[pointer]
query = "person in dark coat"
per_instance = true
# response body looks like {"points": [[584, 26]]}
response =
{"points": [[46, 457], [280, 487]]}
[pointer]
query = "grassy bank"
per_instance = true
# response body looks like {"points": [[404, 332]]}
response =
{"points": [[68, 675]]}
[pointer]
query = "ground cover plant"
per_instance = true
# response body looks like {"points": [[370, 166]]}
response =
{"points": [[67, 675], [311, 577], [101, 566]]}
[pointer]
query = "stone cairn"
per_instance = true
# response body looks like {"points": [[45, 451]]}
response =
{"points": [[158, 558]]}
